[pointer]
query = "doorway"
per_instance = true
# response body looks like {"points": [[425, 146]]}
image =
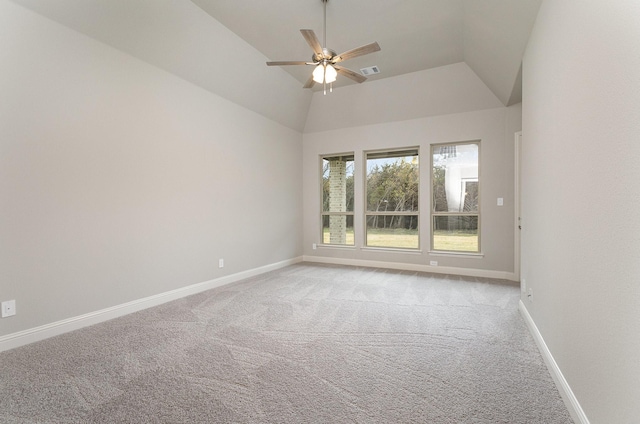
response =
{"points": [[517, 206]]}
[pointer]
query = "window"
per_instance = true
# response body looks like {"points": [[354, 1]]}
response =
{"points": [[392, 199], [455, 188], [337, 199]]}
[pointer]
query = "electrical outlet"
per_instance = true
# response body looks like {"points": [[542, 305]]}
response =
{"points": [[8, 308], [500, 201], [314, 246], [433, 263], [220, 263]]}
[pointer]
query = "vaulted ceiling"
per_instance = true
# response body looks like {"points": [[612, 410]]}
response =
{"points": [[189, 39], [490, 35]]}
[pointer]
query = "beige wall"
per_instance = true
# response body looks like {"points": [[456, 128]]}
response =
{"points": [[440, 91], [581, 227], [494, 126], [120, 181]]}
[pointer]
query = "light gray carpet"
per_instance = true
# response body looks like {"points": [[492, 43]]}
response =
{"points": [[304, 344]]}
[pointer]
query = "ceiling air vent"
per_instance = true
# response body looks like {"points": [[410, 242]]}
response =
{"points": [[371, 70]]}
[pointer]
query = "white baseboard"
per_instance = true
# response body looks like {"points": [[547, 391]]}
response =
{"points": [[42, 332], [569, 398], [469, 272]]}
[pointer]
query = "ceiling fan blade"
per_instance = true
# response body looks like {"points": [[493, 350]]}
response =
{"points": [[311, 38], [358, 51], [350, 74], [287, 62], [309, 82]]}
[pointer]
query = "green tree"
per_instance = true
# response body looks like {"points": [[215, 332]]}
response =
{"points": [[393, 187]]}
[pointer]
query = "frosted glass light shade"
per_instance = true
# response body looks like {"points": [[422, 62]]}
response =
{"points": [[330, 74], [321, 72], [318, 74]]}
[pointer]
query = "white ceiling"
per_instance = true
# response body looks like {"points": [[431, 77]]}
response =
{"points": [[415, 35]]}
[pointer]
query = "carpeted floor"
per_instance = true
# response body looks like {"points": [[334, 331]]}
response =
{"points": [[304, 344]]}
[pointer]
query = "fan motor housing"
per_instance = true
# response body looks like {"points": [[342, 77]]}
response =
{"points": [[327, 54]]}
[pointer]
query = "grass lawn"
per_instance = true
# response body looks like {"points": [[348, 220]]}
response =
{"points": [[459, 241], [401, 238]]}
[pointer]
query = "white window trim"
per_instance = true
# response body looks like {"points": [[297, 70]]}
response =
{"points": [[381, 153], [432, 213], [328, 213], [451, 253]]}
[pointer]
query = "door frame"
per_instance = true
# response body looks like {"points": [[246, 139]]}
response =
{"points": [[517, 206]]}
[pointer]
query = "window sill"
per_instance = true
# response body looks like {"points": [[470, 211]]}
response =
{"points": [[336, 246], [457, 254], [392, 249]]}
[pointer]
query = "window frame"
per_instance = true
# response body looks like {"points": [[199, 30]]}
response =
{"points": [[433, 213], [366, 213], [324, 213]]}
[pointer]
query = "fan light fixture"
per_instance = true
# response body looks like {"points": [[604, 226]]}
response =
{"points": [[324, 74]]}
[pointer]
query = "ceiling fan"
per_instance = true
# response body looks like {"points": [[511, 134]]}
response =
{"points": [[324, 60]]}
